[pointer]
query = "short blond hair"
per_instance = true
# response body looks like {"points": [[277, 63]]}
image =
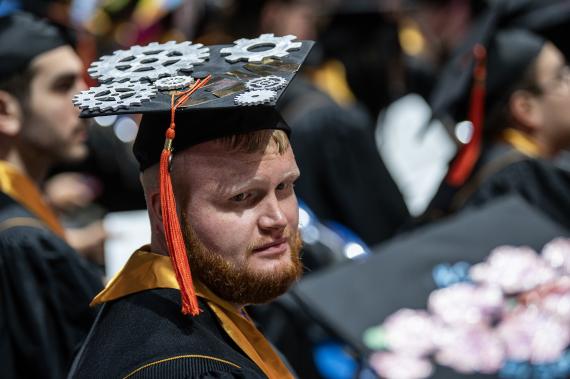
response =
{"points": [[256, 141], [252, 142]]}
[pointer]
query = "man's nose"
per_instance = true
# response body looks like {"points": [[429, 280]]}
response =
{"points": [[273, 217], [80, 84]]}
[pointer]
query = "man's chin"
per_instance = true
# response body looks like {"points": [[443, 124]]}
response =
{"points": [[256, 285], [74, 154], [269, 263]]}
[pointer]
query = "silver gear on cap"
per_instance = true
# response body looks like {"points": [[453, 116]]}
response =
{"points": [[262, 96], [270, 82], [114, 96], [149, 62], [173, 82], [242, 51]]}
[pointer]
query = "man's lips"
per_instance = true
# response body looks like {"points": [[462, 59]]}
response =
{"points": [[80, 133], [274, 247]]}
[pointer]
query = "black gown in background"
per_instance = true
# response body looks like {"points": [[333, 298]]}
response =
{"points": [[45, 290], [503, 170], [540, 182]]}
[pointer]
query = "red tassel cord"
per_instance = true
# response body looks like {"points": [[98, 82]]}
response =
{"points": [[465, 162], [170, 221]]}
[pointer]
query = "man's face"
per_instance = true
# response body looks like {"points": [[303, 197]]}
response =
{"points": [[241, 218], [553, 78], [51, 127]]}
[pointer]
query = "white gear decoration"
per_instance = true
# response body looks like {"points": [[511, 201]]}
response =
{"points": [[114, 96], [149, 62], [173, 82], [242, 51], [270, 82], [262, 96]]}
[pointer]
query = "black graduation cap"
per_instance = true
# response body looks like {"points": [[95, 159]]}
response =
{"points": [[246, 80], [188, 94], [502, 44], [403, 272], [22, 38]]}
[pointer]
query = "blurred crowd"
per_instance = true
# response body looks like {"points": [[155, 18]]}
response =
{"points": [[373, 58], [392, 130]]}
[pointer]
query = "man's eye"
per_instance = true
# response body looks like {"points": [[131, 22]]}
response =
{"points": [[284, 186], [240, 197], [63, 86]]}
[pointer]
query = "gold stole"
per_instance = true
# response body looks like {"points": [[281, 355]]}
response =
{"points": [[146, 270], [21, 188]]}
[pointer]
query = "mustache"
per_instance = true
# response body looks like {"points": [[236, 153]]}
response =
{"points": [[261, 246], [292, 238], [82, 125], [264, 242]]}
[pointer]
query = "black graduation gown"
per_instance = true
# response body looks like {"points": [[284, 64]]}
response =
{"points": [[151, 338], [45, 290], [502, 170], [343, 177], [540, 182]]}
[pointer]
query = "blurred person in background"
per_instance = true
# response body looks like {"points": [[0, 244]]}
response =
{"points": [[511, 80], [83, 191], [416, 155], [432, 30], [46, 286]]}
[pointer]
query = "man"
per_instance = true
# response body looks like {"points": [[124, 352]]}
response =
{"points": [[45, 286], [518, 106], [218, 174]]}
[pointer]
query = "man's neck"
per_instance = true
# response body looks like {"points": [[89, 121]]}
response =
{"points": [[30, 163], [546, 150], [533, 144]]}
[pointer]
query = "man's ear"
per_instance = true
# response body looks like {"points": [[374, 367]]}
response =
{"points": [[10, 114], [526, 111], [155, 207]]}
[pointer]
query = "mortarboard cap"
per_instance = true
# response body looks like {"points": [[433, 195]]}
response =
{"points": [[188, 94], [22, 38], [242, 94], [503, 43], [403, 272]]}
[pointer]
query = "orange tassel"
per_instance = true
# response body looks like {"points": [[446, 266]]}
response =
{"points": [[467, 158], [172, 232]]}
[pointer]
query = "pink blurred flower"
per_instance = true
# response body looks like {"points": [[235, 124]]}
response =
{"points": [[470, 349], [553, 298], [410, 332], [513, 269], [398, 366], [530, 334], [557, 254], [465, 303]]}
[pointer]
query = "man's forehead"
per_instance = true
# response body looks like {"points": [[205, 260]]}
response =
{"points": [[23, 38], [215, 153], [59, 61], [232, 168], [550, 57]]}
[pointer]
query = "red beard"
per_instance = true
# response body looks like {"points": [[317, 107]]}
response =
{"points": [[240, 284]]}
